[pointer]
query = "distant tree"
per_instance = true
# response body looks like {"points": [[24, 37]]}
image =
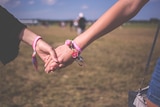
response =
{"points": [[154, 20]]}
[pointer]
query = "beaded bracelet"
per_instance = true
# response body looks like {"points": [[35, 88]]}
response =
{"points": [[34, 59], [76, 51]]}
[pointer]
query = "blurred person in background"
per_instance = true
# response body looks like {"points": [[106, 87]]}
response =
{"points": [[81, 23]]}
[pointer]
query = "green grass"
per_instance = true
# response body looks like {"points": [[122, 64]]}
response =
{"points": [[114, 65]]}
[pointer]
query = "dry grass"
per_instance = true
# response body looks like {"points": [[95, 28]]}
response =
{"points": [[114, 65]]}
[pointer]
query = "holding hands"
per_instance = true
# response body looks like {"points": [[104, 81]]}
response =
{"points": [[45, 52], [66, 55], [120, 12], [53, 59]]}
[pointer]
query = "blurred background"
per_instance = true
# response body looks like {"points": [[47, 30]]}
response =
{"points": [[69, 9], [114, 64]]}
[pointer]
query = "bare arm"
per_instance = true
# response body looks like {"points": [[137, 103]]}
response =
{"points": [[43, 49], [120, 12]]}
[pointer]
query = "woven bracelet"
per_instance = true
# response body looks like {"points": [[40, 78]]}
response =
{"points": [[34, 59]]}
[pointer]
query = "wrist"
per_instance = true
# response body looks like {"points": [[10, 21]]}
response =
{"points": [[76, 50], [78, 44], [74, 47], [34, 44], [34, 59], [81, 41]]}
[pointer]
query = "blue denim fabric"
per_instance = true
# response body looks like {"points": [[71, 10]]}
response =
{"points": [[153, 93]]}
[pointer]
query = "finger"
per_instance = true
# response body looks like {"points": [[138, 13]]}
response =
{"points": [[50, 61], [61, 65], [49, 69], [47, 61], [52, 69], [53, 55], [52, 66], [47, 66]]}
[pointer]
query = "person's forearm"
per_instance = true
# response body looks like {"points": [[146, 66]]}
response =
{"points": [[27, 36], [119, 13]]}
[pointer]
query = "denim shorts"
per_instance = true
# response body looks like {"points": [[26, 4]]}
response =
{"points": [[153, 93]]}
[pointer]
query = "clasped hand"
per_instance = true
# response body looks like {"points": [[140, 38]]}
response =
{"points": [[64, 56]]}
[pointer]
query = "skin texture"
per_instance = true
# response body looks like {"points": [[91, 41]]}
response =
{"points": [[43, 49]]}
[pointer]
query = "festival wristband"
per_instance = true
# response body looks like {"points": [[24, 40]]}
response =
{"points": [[76, 47], [35, 42], [76, 51], [34, 59], [73, 45]]}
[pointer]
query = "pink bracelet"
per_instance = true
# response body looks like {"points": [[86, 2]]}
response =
{"points": [[35, 42], [34, 59], [76, 47], [76, 51]]}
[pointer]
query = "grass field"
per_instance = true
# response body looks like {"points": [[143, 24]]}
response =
{"points": [[114, 65]]}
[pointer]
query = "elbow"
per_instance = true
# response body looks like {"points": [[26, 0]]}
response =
{"points": [[134, 6]]}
